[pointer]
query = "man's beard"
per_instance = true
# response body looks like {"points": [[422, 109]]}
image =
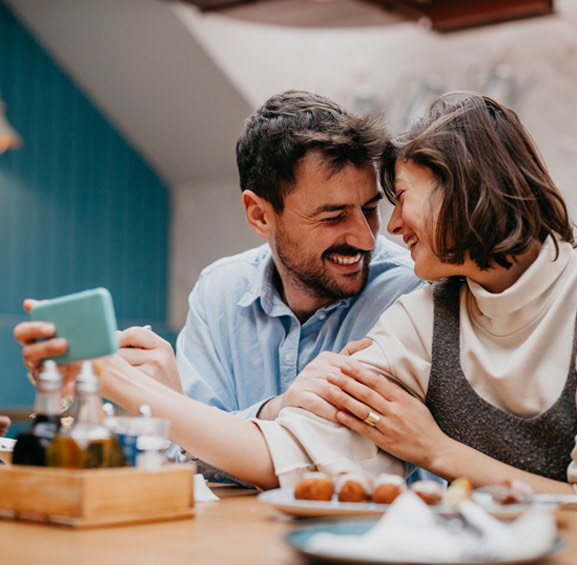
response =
{"points": [[312, 275]]}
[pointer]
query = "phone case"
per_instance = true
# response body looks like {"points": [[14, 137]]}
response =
{"points": [[86, 319]]}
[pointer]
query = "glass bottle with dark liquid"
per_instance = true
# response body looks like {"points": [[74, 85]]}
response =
{"points": [[88, 443], [31, 444]]}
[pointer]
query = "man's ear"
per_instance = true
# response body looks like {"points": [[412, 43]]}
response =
{"points": [[259, 213]]}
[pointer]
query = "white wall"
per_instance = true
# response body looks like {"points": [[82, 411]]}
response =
{"points": [[393, 64], [208, 222]]}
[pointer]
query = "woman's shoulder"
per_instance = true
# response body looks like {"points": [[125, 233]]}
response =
{"points": [[410, 312]]}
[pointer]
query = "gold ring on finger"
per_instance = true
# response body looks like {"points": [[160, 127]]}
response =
{"points": [[372, 419]]}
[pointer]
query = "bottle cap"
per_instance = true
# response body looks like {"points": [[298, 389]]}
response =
{"points": [[49, 379], [145, 411], [86, 381], [108, 409]]}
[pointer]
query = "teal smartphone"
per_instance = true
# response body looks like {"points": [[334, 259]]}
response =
{"points": [[86, 319]]}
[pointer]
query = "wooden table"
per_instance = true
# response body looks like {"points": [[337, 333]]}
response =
{"points": [[237, 530]]}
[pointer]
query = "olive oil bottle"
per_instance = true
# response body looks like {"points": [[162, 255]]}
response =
{"points": [[88, 443], [31, 445]]}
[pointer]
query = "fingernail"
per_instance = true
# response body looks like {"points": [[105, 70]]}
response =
{"points": [[341, 417]]}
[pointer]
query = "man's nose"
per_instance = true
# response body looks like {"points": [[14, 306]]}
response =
{"points": [[361, 234]]}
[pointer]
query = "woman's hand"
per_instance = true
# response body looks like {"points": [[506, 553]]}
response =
{"points": [[38, 343], [403, 426], [379, 409]]}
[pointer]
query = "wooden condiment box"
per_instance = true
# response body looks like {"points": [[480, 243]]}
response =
{"points": [[95, 497]]}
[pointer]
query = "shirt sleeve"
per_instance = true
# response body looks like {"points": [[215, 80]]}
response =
{"points": [[205, 375], [402, 342], [300, 440]]}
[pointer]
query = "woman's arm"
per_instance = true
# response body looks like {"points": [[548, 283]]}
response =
{"points": [[223, 440], [407, 430]]}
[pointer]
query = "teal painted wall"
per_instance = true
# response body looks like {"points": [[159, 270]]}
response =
{"points": [[78, 207]]}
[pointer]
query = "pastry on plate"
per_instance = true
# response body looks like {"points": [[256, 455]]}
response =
{"points": [[353, 487], [512, 492], [387, 487], [429, 491], [314, 486], [460, 489]]}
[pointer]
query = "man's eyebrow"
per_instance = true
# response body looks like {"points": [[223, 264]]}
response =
{"points": [[376, 198], [338, 207]]}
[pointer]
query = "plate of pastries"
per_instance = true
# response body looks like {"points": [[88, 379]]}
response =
{"points": [[319, 495]]}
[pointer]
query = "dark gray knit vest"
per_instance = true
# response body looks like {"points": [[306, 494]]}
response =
{"points": [[540, 445]]}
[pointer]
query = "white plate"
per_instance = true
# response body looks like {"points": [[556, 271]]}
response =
{"points": [[300, 541], [566, 501], [284, 500], [6, 449]]}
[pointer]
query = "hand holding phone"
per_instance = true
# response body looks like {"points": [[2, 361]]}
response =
{"points": [[85, 319]]}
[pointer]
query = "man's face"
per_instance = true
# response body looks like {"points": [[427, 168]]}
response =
{"points": [[323, 239]]}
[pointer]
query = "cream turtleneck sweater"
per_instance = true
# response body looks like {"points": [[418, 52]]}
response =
{"points": [[515, 352]]}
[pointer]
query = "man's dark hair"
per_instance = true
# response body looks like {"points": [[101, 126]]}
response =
{"points": [[288, 125], [496, 196]]}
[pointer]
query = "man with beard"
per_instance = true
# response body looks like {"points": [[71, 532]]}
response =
{"points": [[309, 188]]}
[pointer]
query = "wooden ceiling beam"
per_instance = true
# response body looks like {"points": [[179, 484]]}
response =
{"points": [[448, 15], [440, 15]]}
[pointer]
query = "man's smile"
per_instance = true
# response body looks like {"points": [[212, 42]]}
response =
{"points": [[344, 259]]}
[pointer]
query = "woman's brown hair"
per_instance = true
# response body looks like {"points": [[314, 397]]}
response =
{"points": [[496, 195]]}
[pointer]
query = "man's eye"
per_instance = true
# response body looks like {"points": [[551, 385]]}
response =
{"points": [[332, 219], [371, 210]]}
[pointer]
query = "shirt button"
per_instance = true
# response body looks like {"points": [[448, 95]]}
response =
{"points": [[288, 357], [322, 316]]}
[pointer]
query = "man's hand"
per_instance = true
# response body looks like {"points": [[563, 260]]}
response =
{"points": [[310, 389], [355, 346], [144, 349]]}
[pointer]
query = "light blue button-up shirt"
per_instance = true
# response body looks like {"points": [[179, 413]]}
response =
{"points": [[242, 345]]}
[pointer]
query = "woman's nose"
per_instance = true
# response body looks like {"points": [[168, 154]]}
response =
{"points": [[395, 224]]}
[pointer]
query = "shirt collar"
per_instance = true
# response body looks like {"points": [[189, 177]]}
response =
{"points": [[260, 286]]}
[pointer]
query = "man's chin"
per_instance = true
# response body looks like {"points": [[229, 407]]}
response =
{"points": [[351, 288]]}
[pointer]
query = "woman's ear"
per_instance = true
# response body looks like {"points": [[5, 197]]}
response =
{"points": [[259, 214]]}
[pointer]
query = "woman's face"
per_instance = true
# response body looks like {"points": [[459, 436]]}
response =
{"points": [[415, 218]]}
